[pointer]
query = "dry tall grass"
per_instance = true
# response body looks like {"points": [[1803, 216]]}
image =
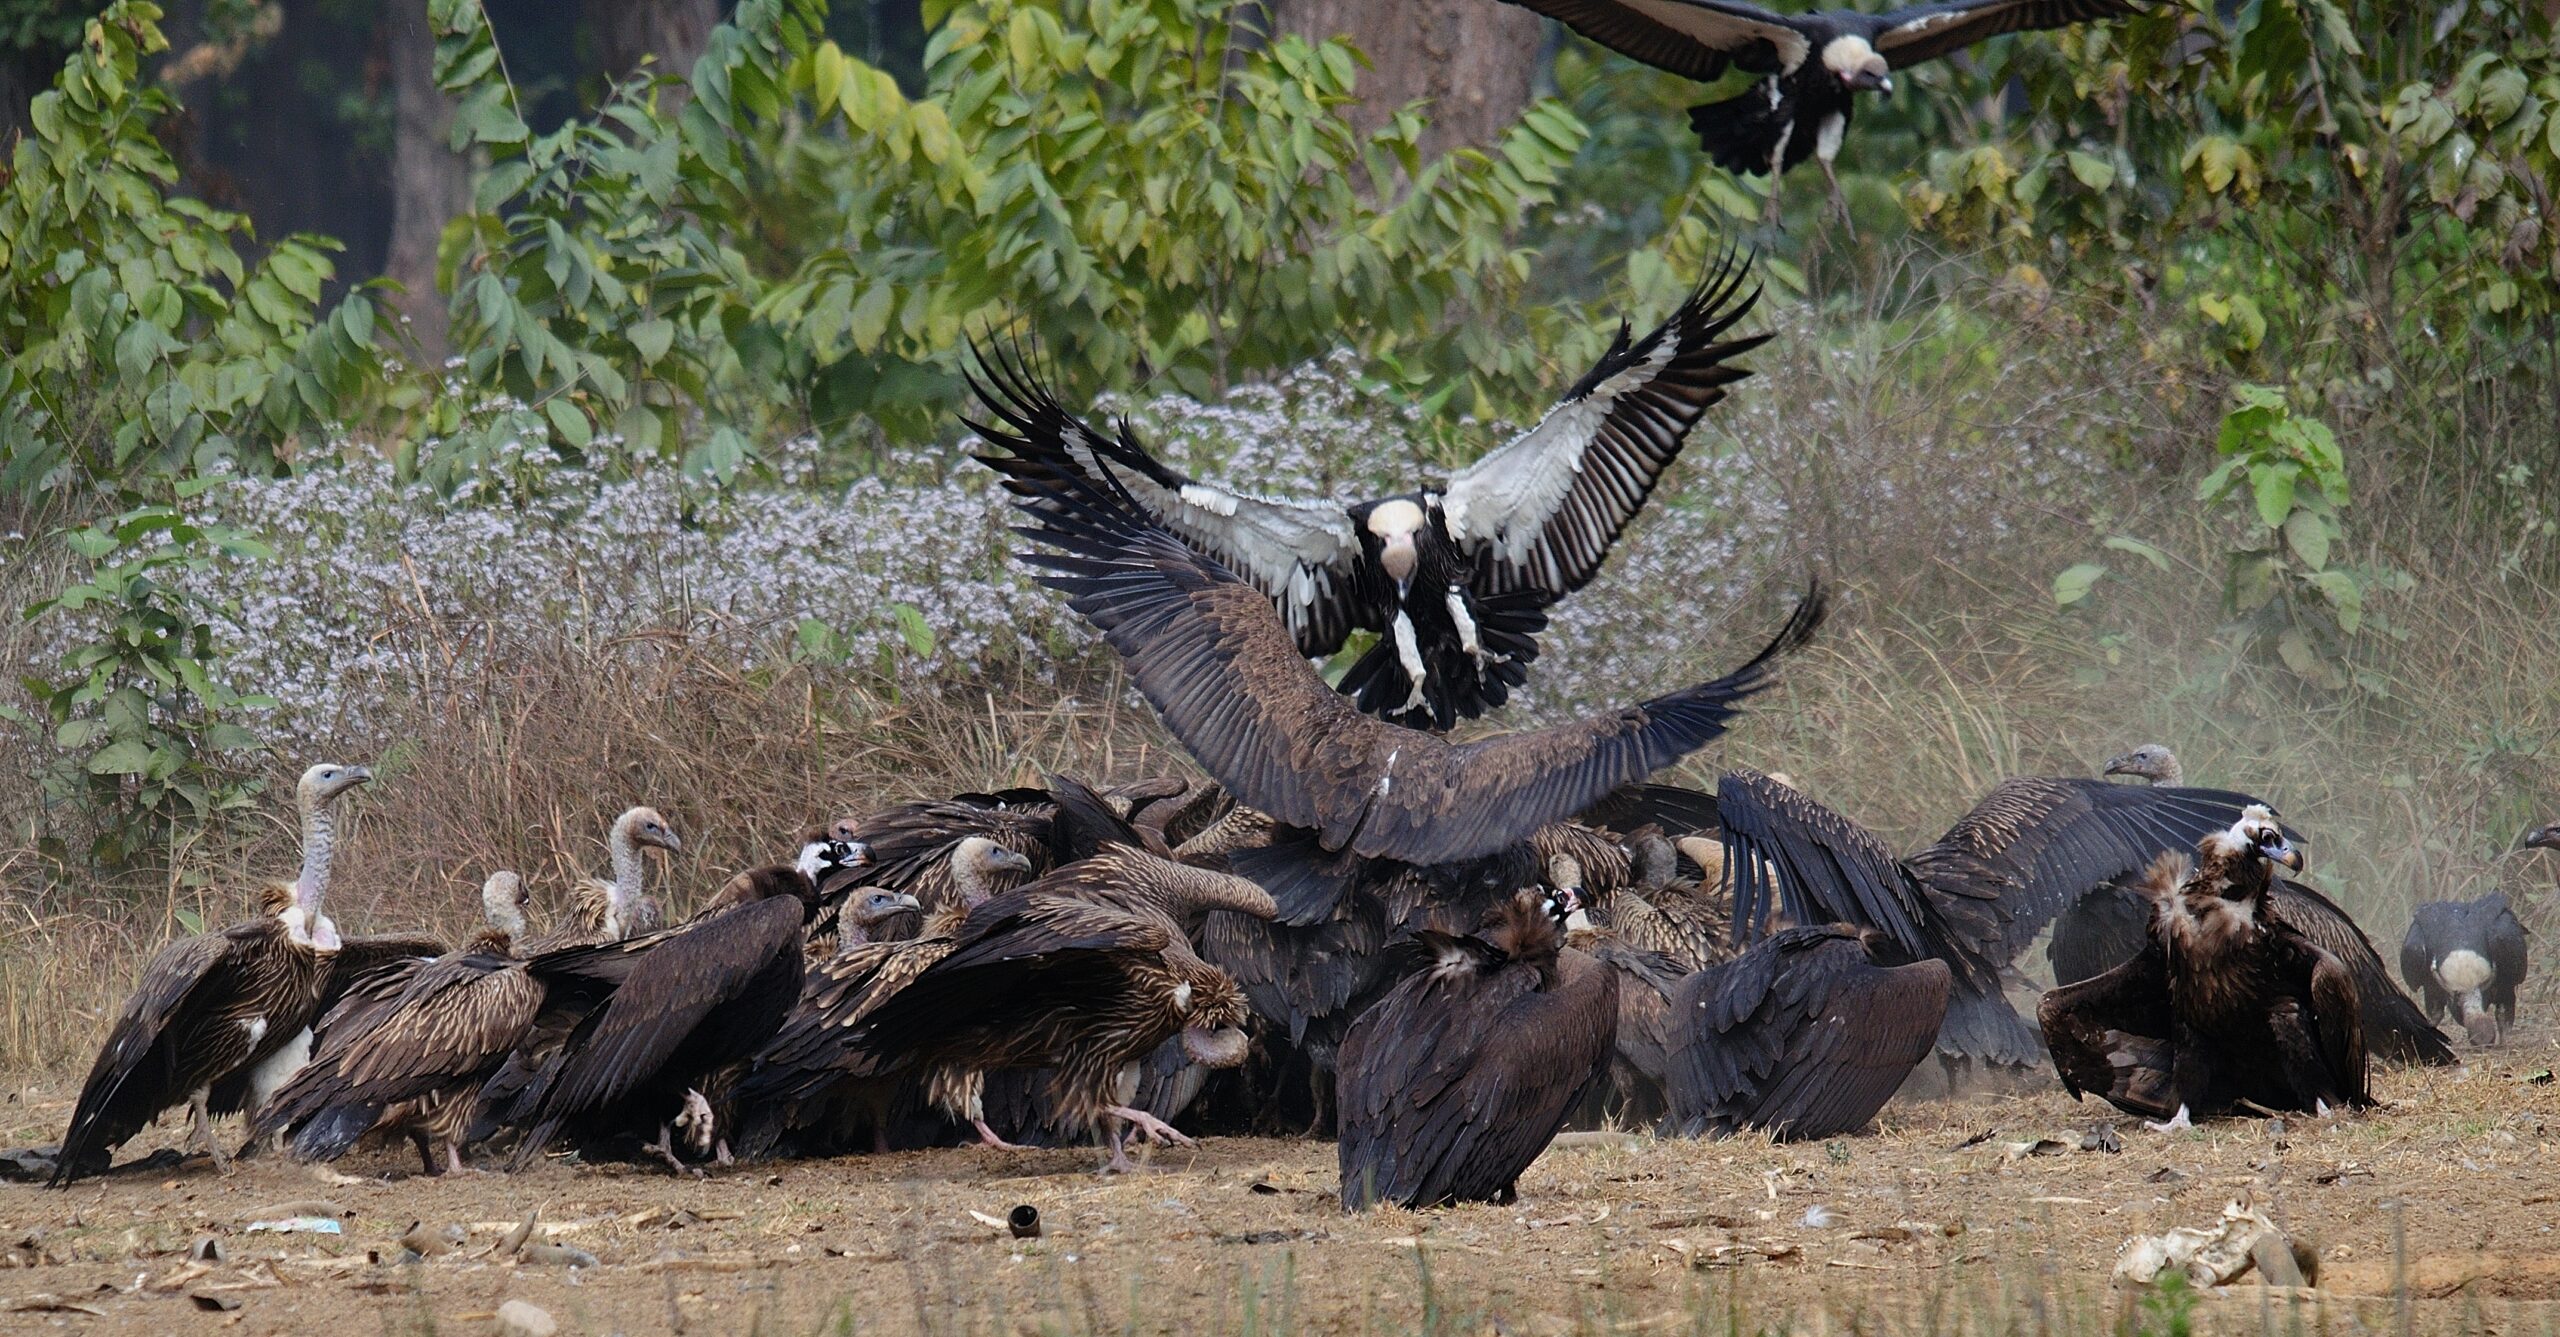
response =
{"points": [[1939, 471]]}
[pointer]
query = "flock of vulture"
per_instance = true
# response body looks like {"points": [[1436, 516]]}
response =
{"points": [[1442, 951]]}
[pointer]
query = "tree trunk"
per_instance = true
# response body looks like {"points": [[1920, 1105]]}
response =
{"points": [[430, 183], [675, 31], [1473, 60]]}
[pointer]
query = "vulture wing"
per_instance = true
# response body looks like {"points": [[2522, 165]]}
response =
{"points": [[1229, 683], [1805, 1035], [2109, 1035], [362, 959], [2341, 1028], [457, 1020], [1026, 968], [1926, 32], [1786, 850], [1693, 38], [2504, 935], [1542, 512], [1678, 811], [2394, 1026], [139, 1072], [2418, 949], [811, 1050], [1302, 555]]}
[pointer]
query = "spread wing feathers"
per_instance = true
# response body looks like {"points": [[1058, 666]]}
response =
{"points": [[2394, 1027], [1027, 970], [361, 959], [2103, 930], [1302, 555], [455, 1022], [1678, 811], [2340, 1032], [1788, 851], [1455, 1081], [1542, 512], [812, 1049], [141, 1071], [911, 843], [670, 983], [1926, 32], [1142, 883], [1293, 975], [1804, 1035], [1695, 38], [2109, 1034], [1671, 924], [1206, 651]]}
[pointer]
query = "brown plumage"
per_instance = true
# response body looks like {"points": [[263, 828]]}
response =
{"points": [[1455, 1081], [611, 910], [210, 1010], [1210, 653], [2229, 1002]]}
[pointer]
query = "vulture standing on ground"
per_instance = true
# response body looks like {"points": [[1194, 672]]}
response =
{"points": [[1974, 899], [2111, 923], [2228, 1004], [217, 1020], [683, 1003], [2466, 958], [1454, 579], [622, 908], [1208, 651], [1806, 1035], [1455, 1081], [1086, 990], [1815, 64]]}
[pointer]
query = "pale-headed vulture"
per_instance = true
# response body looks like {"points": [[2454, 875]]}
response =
{"points": [[1454, 578], [2465, 958]]}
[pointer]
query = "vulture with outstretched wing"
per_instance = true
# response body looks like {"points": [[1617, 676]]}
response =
{"points": [[1974, 899], [1209, 652], [1806, 1035], [1813, 65], [1455, 579]]}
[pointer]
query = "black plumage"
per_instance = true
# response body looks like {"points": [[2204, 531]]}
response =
{"points": [[1806, 1035], [1455, 1081], [1454, 579], [2465, 958]]}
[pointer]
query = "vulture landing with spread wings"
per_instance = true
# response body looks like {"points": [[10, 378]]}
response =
{"points": [[1814, 65], [1455, 579]]}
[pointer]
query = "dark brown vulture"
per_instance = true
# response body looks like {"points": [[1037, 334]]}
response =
{"points": [[682, 1004], [1454, 579], [2110, 924], [1974, 899], [610, 911], [1456, 1080], [1806, 1035], [1209, 652], [2229, 1004], [1085, 990], [1813, 65], [219, 1021], [2466, 959]]}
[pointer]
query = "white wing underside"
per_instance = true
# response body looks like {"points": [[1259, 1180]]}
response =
{"points": [[1723, 29]]}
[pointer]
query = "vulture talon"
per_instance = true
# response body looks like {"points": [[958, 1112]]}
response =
{"points": [[1155, 1130], [2177, 1123], [988, 1138]]}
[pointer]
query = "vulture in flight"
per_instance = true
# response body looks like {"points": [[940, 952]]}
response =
{"points": [[1975, 898], [2110, 924], [1455, 578], [1812, 65], [1208, 651], [221, 1020], [2466, 958], [1806, 1035], [2228, 1002], [1455, 1081]]}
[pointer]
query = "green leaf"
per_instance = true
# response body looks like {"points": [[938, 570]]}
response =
{"points": [[2159, 560], [651, 338], [126, 756], [2092, 171], [2345, 595], [570, 422], [2272, 485], [2074, 582], [2308, 534], [913, 629]]}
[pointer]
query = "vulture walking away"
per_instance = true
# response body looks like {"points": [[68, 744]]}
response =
{"points": [[1813, 65], [1208, 651], [220, 1021], [2465, 958], [2229, 1004], [1804, 1036], [1455, 1081], [1454, 578]]}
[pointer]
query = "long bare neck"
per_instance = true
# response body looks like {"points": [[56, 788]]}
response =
{"points": [[319, 843], [850, 935], [2172, 772], [628, 871]]}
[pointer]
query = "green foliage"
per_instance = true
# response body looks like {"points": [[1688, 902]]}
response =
{"points": [[2167, 1309], [138, 716], [138, 343], [1146, 187]]}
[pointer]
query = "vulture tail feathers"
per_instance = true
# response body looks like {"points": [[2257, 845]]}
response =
{"points": [[334, 1131], [1307, 884], [1739, 131], [1983, 1027]]}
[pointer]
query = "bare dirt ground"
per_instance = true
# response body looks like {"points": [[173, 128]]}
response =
{"points": [[1926, 1226]]}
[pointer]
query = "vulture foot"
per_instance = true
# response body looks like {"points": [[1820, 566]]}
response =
{"points": [[1157, 1130], [2178, 1123], [664, 1149], [453, 1162], [695, 1122], [986, 1138], [720, 1153], [200, 1131]]}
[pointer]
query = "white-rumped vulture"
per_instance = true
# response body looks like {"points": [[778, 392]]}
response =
{"points": [[1210, 653], [2465, 958], [1975, 898], [1804, 1036], [220, 1020], [1814, 64], [1455, 579], [1455, 1081], [2228, 1004]]}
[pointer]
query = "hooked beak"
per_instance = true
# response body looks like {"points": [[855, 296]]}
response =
{"points": [[904, 901], [2288, 854], [2548, 838], [1869, 81]]}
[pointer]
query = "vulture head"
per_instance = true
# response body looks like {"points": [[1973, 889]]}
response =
{"points": [[831, 865], [1397, 525], [646, 826], [2237, 861], [1214, 1020], [322, 784], [1564, 896], [502, 901], [868, 910], [1857, 65], [2546, 838], [977, 862], [2150, 762]]}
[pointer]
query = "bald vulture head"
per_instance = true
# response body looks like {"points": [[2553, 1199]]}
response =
{"points": [[2237, 859], [1397, 525], [832, 865], [977, 864], [869, 909], [2543, 838], [322, 784], [502, 901], [1858, 66], [2151, 762], [646, 826]]}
